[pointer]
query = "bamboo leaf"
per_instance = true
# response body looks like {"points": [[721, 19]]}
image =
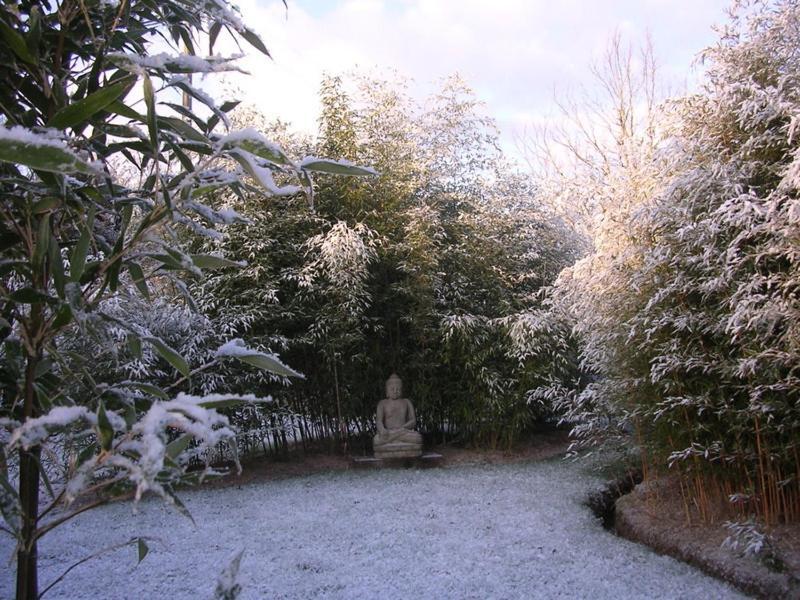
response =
{"points": [[142, 549], [83, 110], [22, 147], [17, 43], [137, 275], [152, 117], [255, 41], [104, 427], [336, 167], [209, 261], [170, 355]]}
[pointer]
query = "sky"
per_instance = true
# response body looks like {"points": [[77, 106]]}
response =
{"points": [[516, 54]]}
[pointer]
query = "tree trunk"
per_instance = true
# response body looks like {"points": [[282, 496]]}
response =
{"points": [[27, 555]]}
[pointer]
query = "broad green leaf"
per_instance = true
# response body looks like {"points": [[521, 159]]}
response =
{"points": [[46, 204], [150, 102], [209, 261], [142, 549], [170, 355], [17, 43], [29, 296], [123, 110], [229, 105], [268, 363], [334, 167], [137, 275], [148, 388], [213, 33], [222, 403], [256, 144], [42, 243], [184, 129], [34, 35], [180, 506], [63, 317], [134, 343], [255, 41], [105, 428], [175, 447], [40, 153], [77, 263], [57, 266], [82, 110]]}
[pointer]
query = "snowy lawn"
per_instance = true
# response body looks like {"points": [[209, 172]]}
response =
{"points": [[511, 531]]}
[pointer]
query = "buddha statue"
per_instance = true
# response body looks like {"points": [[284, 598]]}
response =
{"points": [[395, 420]]}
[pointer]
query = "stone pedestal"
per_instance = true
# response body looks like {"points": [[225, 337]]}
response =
{"points": [[425, 461], [398, 451]]}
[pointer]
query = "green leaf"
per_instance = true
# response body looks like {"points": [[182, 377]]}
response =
{"points": [[175, 447], [34, 30], [40, 153], [57, 266], [77, 263], [29, 296], [184, 129], [209, 261], [148, 388], [137, 275], [63, 317], [170, 355], [83, 110], [17, 43], [321, 165], [229, 105], [256, 144], [42, 243], [46, 204], [268, 363], [150, 102], [142, 549], [123, 110], [213, 32], [134, 343], [222, 403], [179, 505], [105, 428], [255, 41]]}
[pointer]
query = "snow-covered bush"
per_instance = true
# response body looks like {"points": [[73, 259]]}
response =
{"points": [[422, 270], [690, 327]]}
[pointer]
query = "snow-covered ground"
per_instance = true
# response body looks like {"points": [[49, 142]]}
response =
{"points": [[511, 531]]}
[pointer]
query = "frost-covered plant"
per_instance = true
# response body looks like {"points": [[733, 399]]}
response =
{"points": [[748, 539], [75, 234], [745, 537], [394, 267], [691, 327]]}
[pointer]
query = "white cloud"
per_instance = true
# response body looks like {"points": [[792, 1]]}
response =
{"points": [[513, 52]]}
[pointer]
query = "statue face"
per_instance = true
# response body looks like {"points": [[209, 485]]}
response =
{"points": [[394, 387]]}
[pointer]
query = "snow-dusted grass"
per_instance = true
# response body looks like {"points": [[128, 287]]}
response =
{"points": [[512, 531]]}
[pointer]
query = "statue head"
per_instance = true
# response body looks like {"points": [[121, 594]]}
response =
{"points": [[394, 386]]}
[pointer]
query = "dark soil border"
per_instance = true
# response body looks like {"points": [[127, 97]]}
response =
{"points": [[648, 515]]}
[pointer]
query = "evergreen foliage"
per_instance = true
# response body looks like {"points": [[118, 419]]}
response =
{"points": [[690, 325], [423, 270]]}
